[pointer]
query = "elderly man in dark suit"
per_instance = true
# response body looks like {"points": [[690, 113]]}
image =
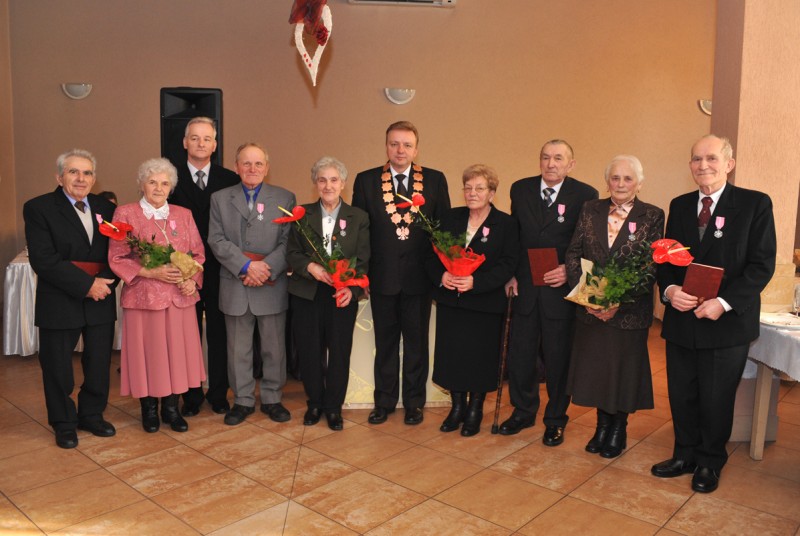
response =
{"points": [[253, 284], [707, 341], [198, 178], [547, 208], [400, 291], [74, 296]]}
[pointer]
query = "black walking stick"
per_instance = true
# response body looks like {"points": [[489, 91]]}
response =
{"points": [[502, 367]]}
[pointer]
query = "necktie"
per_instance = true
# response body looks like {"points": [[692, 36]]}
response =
{"points": [[401, 187], [250, 195], [200, 182], [80, 205], [548, 196], [705, 214]]}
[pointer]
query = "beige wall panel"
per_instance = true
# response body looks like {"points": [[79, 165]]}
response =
{"points": [[494, 79], [8, 216]]}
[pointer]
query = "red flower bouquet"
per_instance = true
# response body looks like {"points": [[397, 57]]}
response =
{"points": [[342, 270], [150, 254], [457, 259]]}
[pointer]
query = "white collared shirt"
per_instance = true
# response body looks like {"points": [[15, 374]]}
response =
{"points": [[553, 196], [406, 181], [193, 170]]}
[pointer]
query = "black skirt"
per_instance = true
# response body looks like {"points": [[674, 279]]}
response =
{"points": [[610, 368], [467, 349]]}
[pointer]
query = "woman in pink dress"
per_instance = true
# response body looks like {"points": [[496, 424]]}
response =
{"points": [[161, 350]]}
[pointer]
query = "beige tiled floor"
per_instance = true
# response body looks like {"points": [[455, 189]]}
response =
{"points": [[267, 478]]}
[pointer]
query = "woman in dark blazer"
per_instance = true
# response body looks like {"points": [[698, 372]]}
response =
{"points": [[610, 365], [469, 309], [322, 317]]}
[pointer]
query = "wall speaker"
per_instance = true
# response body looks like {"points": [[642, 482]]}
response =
{"points": [[178, 106]]}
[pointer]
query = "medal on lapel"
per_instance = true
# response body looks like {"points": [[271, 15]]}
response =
{"points": [[632, 229], [720, 223], [260, 209], [561, 210], [173, 226], [342, 225], [485, 234]]}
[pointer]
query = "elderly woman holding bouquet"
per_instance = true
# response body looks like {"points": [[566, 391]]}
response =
{"points": [[610, 366], [162, 355], [470, 307], [324, 308]]}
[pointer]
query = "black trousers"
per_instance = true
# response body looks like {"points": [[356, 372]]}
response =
{"points": [[702, 390], [217, 341], [528, 332], [55, 358], [395, 315], [323, 337]]}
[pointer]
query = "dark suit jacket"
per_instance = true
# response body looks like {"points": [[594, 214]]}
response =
{"points": [[746, 251], [188, 195], [539, 228], [56, 236], [502, 252], [354, 243], [590, 242], [397, 265]]}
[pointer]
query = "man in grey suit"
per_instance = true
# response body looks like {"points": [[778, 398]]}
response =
{"points": [[253, 283]]}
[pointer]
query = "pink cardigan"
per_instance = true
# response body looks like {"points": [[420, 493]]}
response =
{"points": [[146, 293]]}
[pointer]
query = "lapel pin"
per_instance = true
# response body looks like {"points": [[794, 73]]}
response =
{"points": [[485, 234], [561, 210], [632, 229], [342, 225], [260, 209], [720, 223]]}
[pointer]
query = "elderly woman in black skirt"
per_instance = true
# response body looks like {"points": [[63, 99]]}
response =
{"points": [[469, 309], [610, 365]]}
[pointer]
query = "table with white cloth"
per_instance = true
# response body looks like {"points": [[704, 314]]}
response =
{"points": [[20, 335], [775, 349]]}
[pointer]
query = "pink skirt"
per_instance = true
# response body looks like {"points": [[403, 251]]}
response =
{"points": [[161, 352]]}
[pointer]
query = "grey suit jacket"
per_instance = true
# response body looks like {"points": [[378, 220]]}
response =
{"points": [[233, 230]]}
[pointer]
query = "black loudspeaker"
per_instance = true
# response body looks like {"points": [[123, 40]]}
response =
{"points": [[178, 106]]}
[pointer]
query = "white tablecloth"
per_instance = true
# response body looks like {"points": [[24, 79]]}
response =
{"points": [[779, 349], [775, 349], [20, 336]]}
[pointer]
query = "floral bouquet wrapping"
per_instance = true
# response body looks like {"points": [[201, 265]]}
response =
{"points": [[622, 280], [151, 255], [342, 270], [457, 259]]}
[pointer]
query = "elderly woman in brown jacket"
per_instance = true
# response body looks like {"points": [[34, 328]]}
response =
{"points": [[610, 366]]}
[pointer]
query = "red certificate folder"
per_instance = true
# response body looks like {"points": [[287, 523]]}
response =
{"points": [[542, 261], [702, 281]]}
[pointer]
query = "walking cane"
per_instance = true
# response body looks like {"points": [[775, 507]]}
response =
{"points": [[502, 367]]}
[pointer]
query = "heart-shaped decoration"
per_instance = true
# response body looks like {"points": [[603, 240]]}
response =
{"points": [[312, 62]]}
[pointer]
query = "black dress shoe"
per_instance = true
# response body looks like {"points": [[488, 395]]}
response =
{"points": [[705, 480], [99, 428], [66, 439], [312, 416], [379, 415], [672, 468], [413, 416], [190, 409], [334, 420], [276, 412], [220, 407], [515, 424], [553, 436], [238, 414]]}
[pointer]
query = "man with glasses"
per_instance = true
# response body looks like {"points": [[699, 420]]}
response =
{"points": [[74, 296]]}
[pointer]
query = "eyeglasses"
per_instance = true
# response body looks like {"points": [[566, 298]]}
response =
{"points": [[476, 189]]}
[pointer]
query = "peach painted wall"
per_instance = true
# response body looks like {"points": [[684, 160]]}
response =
{"points": [[494, 80]]}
